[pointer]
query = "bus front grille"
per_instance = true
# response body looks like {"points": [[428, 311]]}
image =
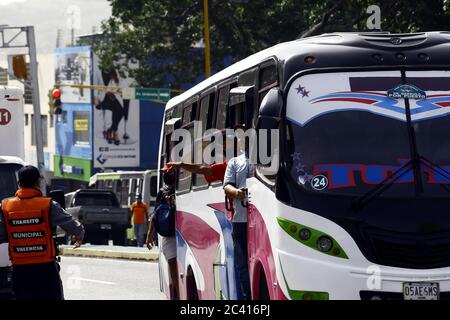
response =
{"points": [[410, 250]]}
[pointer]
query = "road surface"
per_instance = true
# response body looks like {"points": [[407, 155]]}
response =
{"points": [[107, 279]]}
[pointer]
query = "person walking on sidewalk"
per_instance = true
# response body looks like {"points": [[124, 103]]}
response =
{"points": [[27, 223], [139, 210]]}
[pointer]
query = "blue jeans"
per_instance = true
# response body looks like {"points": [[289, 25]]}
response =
{"points": [[241, 259], [139, 232]]}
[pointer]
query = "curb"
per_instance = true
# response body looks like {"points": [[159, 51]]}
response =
{"points": [[105, 253]]}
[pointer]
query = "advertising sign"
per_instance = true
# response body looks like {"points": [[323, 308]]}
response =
{"points": [[73, 67], [116, 121]]}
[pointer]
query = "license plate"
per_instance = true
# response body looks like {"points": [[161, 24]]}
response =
{"points": [[105, 226], [421, 291]]}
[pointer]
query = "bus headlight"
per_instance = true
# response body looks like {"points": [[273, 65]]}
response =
{"points": [[324, 244], [304, 234], [315, 239]]}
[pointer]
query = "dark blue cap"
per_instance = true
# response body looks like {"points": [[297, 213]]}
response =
{"points": [[28, 176]]}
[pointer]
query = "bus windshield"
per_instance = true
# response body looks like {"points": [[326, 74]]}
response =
{"points": [[347, 135], [8, 180]]}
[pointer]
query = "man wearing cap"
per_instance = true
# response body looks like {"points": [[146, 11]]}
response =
{"points": [[27, 223], [139, 211]]}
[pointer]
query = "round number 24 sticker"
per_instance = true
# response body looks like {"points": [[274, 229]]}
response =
{"points": [[319, 182]]}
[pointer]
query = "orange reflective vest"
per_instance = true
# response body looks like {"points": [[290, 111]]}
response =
{"points": [[26, 218]]}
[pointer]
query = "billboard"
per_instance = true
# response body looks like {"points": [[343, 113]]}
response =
{"points": [[74, 67], [116, 121]]}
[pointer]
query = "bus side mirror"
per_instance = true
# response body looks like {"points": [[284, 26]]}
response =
{"points": [[271, 107], [58, 196]]}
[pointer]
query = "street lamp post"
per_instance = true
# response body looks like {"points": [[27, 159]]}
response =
{"points": [[207, 46]]}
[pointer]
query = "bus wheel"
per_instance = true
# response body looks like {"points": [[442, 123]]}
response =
{"points": [[263, 289]]}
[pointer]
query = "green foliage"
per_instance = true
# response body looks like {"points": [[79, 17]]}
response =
{"points": [[159, 35]]}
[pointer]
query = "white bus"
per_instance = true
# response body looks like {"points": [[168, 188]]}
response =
{"points": [[11, 155], [358, 207], [127, 184]]}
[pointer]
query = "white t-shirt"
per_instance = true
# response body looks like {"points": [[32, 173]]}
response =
{"points": [[238, 170]]}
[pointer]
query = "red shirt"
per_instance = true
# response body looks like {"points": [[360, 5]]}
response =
{"points": [[217, 172]]}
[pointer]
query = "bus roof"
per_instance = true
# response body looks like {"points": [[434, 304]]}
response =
{"points": [[117, 175], [346, 49]]}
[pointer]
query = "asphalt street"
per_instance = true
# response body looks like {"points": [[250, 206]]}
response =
{"points": [[108, 279]]}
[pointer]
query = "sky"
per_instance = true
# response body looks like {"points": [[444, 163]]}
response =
{"points": [[47, 16]]}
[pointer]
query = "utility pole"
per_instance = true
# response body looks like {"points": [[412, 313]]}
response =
{"points": [[39, 133], [207, 44], [14, 41]]}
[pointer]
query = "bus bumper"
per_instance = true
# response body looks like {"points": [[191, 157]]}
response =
{"points": [[342, 281]]}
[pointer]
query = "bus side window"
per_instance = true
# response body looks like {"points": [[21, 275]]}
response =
{"points": [[184, 176], [205, 116], [206, 110], [124, 192], [187, 114], [117, 185], [248, 78], [236, 115], [153, 186], [139, 186], [108, 184], [222, 104], [132, 191], [268, 78]]}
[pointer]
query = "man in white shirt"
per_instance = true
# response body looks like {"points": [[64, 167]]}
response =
{"points": [[235, 187]]}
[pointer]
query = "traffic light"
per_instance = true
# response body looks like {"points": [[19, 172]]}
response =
{"points": [[55, 101]]}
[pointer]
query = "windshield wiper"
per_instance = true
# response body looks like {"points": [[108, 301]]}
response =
{"points": [[360, 202], [363, 200], [437, 169]]}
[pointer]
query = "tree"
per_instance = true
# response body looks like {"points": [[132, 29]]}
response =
{"points": [[165, 36]]}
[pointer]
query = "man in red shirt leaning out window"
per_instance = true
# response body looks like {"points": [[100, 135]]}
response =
{"points": [[214, 172]]}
